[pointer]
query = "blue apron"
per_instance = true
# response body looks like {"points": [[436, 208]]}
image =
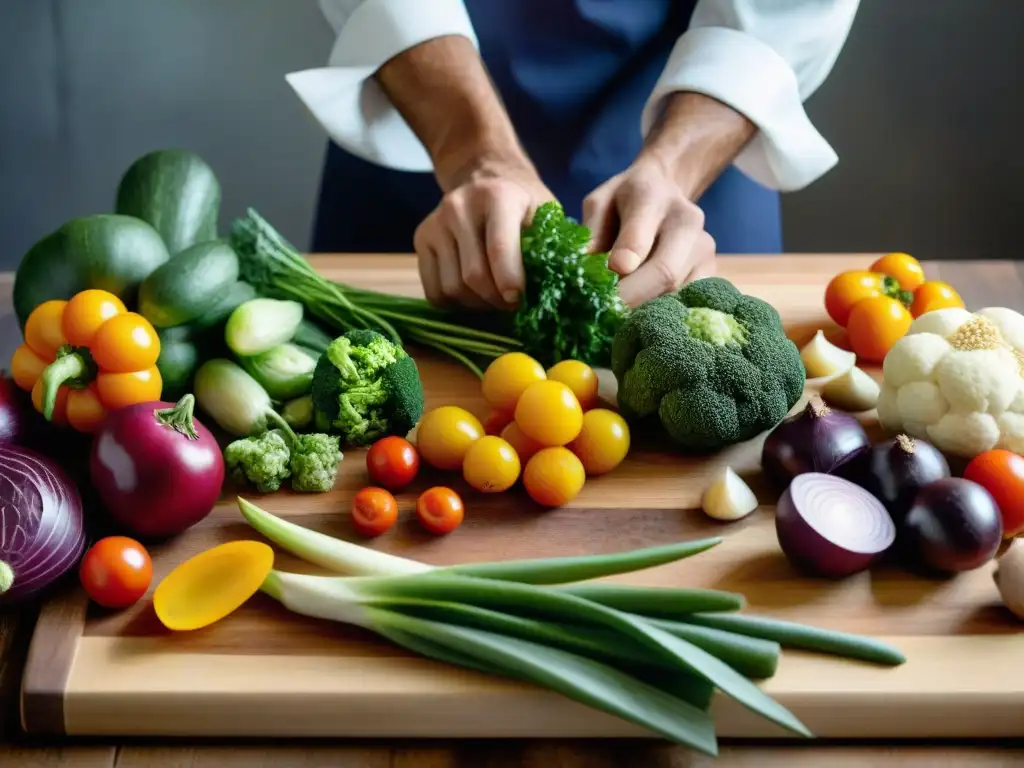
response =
{"points": [[574, 76]]}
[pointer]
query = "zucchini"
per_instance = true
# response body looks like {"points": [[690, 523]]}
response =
{"points": [[175, 191], [188, 285], [312, 336], [285, 371], [108, 251], [235, 296], [180, 357]]}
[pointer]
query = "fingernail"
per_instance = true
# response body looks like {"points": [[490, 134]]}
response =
{"points": [[624, 262], [510, 297]]}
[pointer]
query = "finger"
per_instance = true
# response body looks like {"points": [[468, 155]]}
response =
{"points": [[426, 258], [473, 264], [640, 221], [503, 252], [600, 218], [704, 256], [670, 262]]}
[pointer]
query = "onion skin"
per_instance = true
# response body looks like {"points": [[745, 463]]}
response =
{"points": [[954, 525], [42, 531], [154, 480], [14, 412], [817, 439], [895, 470]]}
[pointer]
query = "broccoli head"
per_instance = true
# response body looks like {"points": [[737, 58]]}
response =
{"points": [[712, 365], [314, 462], [262, 461], [365, 387]]}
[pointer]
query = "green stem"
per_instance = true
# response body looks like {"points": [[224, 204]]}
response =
{"points": [[66, 368], [180, 418], [6, 577], [455, 355], [284, 426]]}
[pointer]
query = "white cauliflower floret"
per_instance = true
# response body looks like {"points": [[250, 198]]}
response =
{"points": [[955, 380]]}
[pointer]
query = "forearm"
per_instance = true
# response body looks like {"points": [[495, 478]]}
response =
{"points": [[695, 139], [443, 92]]}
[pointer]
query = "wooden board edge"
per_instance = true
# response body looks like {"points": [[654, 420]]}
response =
{"points": [[51, 655]]}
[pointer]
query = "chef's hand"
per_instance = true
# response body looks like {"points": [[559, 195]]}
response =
{"points": [[468, 247], [655, 235]]}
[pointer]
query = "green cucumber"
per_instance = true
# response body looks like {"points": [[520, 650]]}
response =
{"points": [[180, 357], [175, 191], [285, 371], [312, 336], [188, 285], [108, 251], [235, 296]]}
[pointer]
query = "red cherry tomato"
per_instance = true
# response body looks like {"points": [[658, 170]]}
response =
{"points": [[1001, 473], [116, 571], [440, 510], [374, 511], [392, 463]]}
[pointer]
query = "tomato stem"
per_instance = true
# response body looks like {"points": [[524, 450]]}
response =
{"points": [[6, 577], [73, 367], [180, 417]]}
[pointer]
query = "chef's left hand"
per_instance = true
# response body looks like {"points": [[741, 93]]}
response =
{"points": [[655, 235]]}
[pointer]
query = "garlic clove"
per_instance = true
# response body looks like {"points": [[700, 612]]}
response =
{"points": [[1009, 578], [853, 391], [823, 358], [728, 498]]}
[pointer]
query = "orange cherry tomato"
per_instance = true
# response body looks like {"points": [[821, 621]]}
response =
{"points": [[125, 343], [1001, 473], [580, 378], [549, 412], [440, 510], [374, 511], [119, 390], [491, 465], [847, 288], [43, 331], [84, 410], [60, 409], [524, 445], [392, 462], [86, 312], [933, 295], [907, 270], [603, 442], [26, 367], [116, 572], [876, 324], [554, 477], [496, 421]]}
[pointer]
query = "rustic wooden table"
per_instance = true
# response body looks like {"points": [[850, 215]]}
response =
{"points": [[980, 283]]}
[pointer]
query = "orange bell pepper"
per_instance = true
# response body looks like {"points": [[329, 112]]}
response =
{"points": [[86, 357]]}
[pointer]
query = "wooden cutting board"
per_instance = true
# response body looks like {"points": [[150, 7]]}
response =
{"points": [[264, 672]]}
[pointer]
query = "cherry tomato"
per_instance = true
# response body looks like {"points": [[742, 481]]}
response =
{"points": [[906, 270], [60, 408], [580, 378], [116, 571], [496, 421], [522, 444], [603, 442], [491, 465], [549, 412], [933, 295], [554, 476], [876, 324], [445, 434], [43, 328], [440, 510], [392, 462], [26, 367], [125, 343], [1001, 473], [374, 510], [86, 312], [507, 377], [847, 288], [119, 390]]}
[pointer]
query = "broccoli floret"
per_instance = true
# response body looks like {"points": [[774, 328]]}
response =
{"points": [[712, 365], [262, 461], [314, 462], [365, 387]]}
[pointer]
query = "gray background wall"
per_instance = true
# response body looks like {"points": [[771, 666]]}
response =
{"points": [[924, 108]]}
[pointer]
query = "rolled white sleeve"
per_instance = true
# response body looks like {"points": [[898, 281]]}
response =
{"points": [[345, 98], [762, 58]]}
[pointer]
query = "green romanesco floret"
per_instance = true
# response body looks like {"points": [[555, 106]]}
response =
{"points": [[262, 461], [314, 462], [365, 387], [713, 366]]}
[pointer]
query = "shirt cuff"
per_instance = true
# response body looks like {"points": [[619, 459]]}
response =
{"points": [[787, 153], [345, 98]]}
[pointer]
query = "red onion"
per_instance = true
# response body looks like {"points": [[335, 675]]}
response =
{"points": [[42, 534], [14, 412], [156, 469], [830, 527], [817, 439]]}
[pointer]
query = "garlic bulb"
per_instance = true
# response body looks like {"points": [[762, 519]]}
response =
{"points": [[1009, 578], [823, 358], [728, 497], [853, 391]]}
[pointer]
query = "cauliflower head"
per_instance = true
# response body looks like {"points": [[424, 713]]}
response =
{"points": [[955, 380]]}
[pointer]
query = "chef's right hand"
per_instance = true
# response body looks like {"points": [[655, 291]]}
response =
{"points": [[468, 247]]}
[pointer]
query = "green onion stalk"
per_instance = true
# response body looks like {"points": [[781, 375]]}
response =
{"points": [[275, 269], [652, 656]]}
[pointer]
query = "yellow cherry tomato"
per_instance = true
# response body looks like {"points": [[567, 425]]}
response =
{"points": [[86, 312], [445, 434], [85, 412], [554, 477], [60, 409], [119, 390], [524, 445], [212, 584], [603, 441], [907, 270], [507, 377], [43, 331], [933, 295], [125, 343], [26, 367], [549, 412], [491, 465], [580, 378]]}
